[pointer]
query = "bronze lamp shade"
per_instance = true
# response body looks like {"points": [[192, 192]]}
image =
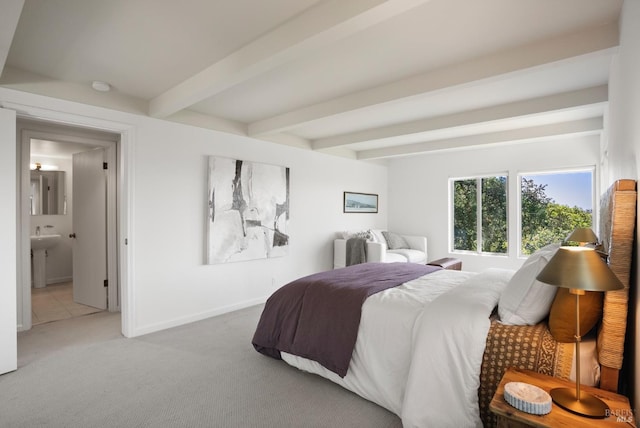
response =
{"points": [[584, 235], [579, 268]]}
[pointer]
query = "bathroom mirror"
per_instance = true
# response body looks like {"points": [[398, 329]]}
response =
{"points": [[48, 195]]}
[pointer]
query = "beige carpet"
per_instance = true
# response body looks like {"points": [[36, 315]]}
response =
{"points": [[82, 373]]}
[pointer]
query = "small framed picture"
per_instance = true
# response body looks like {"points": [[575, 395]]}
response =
{"points": [[360, 202]]}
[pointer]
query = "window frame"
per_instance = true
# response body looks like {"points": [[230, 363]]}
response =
{"points": [[479, 238], [594, 192]]}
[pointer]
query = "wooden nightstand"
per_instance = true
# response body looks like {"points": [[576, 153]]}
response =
{"points": [[447, 263], [508, 416]]}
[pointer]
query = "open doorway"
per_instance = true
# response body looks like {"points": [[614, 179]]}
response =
{"points": [[74, 271]]}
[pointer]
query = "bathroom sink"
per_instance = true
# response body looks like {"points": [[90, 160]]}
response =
{"points": [[39, 245], [43, 242]]}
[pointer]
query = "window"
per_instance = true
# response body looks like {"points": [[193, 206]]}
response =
{"points": [[480, 214], [552, 205]]}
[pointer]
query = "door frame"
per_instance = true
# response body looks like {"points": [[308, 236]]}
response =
{"points": [[31, 130], [120, 219], [8, 259]]}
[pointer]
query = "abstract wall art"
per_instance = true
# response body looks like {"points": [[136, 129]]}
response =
{"points": [[248, 212]]}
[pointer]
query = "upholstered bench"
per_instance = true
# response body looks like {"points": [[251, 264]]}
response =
{"points": [[450, 263]]}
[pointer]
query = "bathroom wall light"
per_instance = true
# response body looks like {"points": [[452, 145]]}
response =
{"points": [[43, 167]]}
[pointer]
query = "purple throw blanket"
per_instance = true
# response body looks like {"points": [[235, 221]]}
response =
{"points": [[317, 317]]}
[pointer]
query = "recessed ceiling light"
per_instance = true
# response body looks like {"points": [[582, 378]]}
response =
{"points": [[101, 86]]}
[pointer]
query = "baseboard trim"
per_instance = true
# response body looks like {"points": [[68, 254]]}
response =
{"points": [[52, 281], [196, 317]]}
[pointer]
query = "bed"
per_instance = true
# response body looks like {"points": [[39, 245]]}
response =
{"points": [[428, 344]]}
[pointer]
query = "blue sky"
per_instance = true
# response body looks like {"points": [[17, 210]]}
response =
{"points": [[572, 189]]}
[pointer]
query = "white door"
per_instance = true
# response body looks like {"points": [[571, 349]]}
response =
{"points": [[8, 224], [90, 229]]}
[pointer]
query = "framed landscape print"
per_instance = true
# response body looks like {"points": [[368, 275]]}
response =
{"points": [[360, 202], [248, 213]]}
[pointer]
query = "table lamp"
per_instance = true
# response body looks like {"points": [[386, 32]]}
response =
{"points": [[579, 269]]}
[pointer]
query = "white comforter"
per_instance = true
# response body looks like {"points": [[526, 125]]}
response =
{"points": [[420, 345]]}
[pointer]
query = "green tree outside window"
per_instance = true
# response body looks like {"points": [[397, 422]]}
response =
{"points": [[480, 207], [543, 220], [480, 202]]}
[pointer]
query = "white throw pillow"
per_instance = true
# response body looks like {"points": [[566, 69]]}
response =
{"points": [[378, 237], [525, 300]]}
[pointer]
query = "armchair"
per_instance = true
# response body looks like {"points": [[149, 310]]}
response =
{"points": [[415, 250]]}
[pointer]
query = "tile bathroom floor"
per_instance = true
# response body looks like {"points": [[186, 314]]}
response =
{"points": [[55, 302]]}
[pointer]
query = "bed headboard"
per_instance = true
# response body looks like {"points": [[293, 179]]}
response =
{"points": [[617, 230]]}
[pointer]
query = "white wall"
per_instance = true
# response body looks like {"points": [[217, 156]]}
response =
{"points": [[419, 188], [172, 283], [59, 258], [169, 282], [624, 141]]}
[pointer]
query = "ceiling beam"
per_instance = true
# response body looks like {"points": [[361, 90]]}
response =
{"points": [[485, 69], [291, 140], [321, 25], [11, 10], [573, 128], [420, 128], [193, 118]]}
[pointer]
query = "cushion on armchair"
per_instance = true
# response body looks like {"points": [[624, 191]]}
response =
{"points": [[378, 237], [412, 256], [364, 234], [395, 241]]}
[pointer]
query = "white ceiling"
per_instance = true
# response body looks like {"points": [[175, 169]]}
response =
{"points": [[361, 78]]}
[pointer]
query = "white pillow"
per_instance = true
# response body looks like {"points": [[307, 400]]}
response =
{"points": [[525, 300], [378, 237]]}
